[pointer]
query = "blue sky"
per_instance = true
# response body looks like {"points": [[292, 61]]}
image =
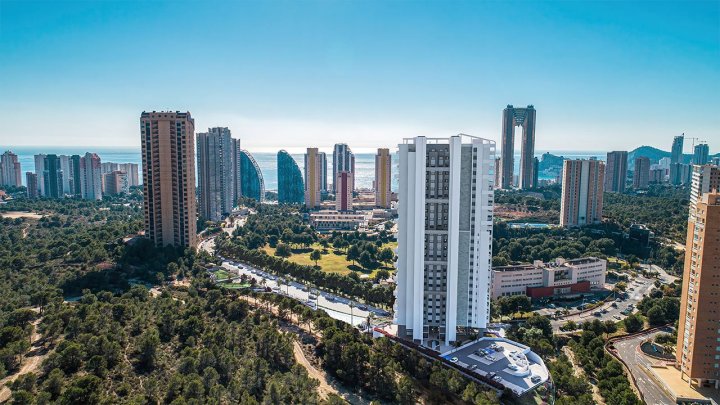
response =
{"points": [[602, 75]]}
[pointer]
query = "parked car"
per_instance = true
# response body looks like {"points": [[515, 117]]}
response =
{"points": [[454, 359]]}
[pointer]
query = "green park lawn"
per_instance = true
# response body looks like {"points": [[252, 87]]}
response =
{"points": [[333, 261]]}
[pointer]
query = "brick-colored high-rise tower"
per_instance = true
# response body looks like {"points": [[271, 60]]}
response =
{"points": [[168, 163], [698, 345]]}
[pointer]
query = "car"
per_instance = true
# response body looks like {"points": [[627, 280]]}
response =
{"points": [[614, 305], [597, 313], [617, 317], [512, 367], [604, 311], [535, 378], [454, 359], [497, 378], [473, 367], [490, 375]]}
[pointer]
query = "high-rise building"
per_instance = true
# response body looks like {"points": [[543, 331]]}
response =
{"points": [[131, 170], [91, 177], [10, 171], [52, 177], [343, 161], [525, 118], [715, 160], [536, 171], [705, 178], [344, 191], [445, 236], [700, 154], [323, 173], [66, 167], [291, 189], [31, 181], [75, 180], [657, 175], [581, 202], [616, 171], [679, 174], [251, 178], [168, 165], [498, 172], [383, 168], [215, 164], [676, 154], [237, 174], [641, 175], [313, 177], [116, 183], [40, 172], [697, 354]]}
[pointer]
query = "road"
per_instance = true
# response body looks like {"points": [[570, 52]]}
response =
{"points": [[337, 307], [640, 287], [639, 365], [664, 276]]}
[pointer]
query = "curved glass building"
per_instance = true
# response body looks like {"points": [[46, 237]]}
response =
{"points": [[291, 189], [251, 180]]}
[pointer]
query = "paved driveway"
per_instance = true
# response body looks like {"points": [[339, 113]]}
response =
{"points": [[639, 364]]}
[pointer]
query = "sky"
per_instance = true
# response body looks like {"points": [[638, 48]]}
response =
{"points": [[291, 74]]}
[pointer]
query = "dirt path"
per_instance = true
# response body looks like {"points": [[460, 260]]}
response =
{"points": [[324, 389], [30, 362], [581, 374]]}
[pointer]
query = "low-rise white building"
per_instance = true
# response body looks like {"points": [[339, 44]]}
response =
{"points": [[335, 220], [554, 278]]}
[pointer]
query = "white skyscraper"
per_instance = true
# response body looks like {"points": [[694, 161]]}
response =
{"points": [[705, 178], [91, 177], [215, 163], [445, 236]]}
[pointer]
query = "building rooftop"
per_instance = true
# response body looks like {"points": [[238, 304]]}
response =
{"points": [[513, 364]]}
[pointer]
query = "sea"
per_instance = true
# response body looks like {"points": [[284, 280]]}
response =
{"points": [[364, 162]]}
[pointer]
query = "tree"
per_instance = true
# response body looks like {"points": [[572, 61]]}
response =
{"points": [[353, 254], [386, 255], [315, 256], [633, 323], [366, 260], [283, 250], [147, 348]]}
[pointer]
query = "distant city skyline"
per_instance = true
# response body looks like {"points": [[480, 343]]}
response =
{"points": [[602, 75]]}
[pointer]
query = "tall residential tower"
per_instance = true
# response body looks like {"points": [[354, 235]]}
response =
{"points": [[383, 168], [215, 164], [343, 161], [445, 236], [313, 177], [581, 202], [10, 172], [525, 118], [698, 351], [168, 165], [616, 171]]}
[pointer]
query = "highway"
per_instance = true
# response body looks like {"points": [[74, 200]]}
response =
{"points": [[337, 307], [639, 364]]}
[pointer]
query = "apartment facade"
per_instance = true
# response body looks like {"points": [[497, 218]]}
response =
{"points": [[641, 175], [313, 178], [581, 201], [10, 171], [344, 191], [91, 177], [383, 178], [701, 154], [252, 182], [445, 236], [556, 278], [31, 182], [343, 161], [676, 154], [215, 163], [116, 183], [525, 118], [52, 177], [698, 345], [705, 178], [168, 165], [291, 189], [616, 171]]}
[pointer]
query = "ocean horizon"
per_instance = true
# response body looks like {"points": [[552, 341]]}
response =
{"points": [[364, 162]]}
